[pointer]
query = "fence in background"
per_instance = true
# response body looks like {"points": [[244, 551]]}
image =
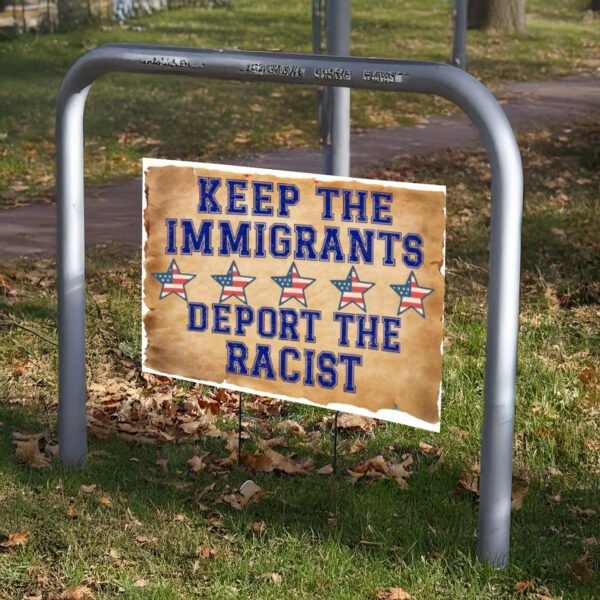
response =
{"points": [[53, 15]]}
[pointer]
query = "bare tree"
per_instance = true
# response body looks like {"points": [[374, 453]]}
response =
{"points": [[506, 16]]}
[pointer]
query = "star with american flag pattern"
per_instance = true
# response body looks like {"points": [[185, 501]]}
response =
{"points": [[411, 295], [233, 284], [292, 285], [173, 281], [353, 290]]}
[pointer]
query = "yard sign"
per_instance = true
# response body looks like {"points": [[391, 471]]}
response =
{"points": [[315, 289]]}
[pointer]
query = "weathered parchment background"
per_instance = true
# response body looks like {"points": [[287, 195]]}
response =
{"points": [[402, 387]]}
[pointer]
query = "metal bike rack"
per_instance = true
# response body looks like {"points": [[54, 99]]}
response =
{"points": [[390, 75]]}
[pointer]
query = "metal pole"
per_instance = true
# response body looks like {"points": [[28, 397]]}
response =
{"points": [[459, 45], [337, 32], [316, 26], [70, 281], [321, 99], [396, 75], [335, 435]]}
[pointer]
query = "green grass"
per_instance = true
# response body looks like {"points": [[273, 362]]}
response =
{"points": [[422, 539], [131, 117]]}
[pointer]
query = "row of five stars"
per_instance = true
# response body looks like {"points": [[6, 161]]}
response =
{"points": [[293, 287]]}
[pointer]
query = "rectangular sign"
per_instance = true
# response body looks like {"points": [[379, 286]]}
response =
{"points": [[315, 289]]}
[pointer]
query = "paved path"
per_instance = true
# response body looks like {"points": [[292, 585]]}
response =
{"points": [[113, 213]]}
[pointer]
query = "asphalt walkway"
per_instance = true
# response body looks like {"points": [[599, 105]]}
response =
{"points": [[113, 213]]}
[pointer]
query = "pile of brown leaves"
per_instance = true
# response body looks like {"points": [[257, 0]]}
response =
{"points": [[159, 412]]}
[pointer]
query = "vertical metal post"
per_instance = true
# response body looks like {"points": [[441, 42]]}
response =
{"points": [[316, 25], [337, 31], [70, 263], [459, 45], [502, 331]]}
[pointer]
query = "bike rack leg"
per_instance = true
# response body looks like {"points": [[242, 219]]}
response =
{"points": [[70, 261]]}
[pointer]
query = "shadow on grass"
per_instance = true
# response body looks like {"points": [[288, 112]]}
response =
{"points": [[375, 520]]}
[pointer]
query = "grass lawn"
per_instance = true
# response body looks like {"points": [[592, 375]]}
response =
{"points": [[130, 117], [156, 529]]}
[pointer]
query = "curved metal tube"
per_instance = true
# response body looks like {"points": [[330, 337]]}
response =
{"points": [[391, 75]]}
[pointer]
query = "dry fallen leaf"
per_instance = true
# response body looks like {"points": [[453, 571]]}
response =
{"points": [[402, 483], [587, 375], [399, 470], [80, 592], [276, 442], [350, 422], [72, 512], [233, 501], [426, 448], [196, 463], [258, 462], [191, 427], [180, 518], [581, 568], [469, 482], [232, 441], [28, 452], [132, 519], [291, 427], [259, 527], [589, 542], [89, 489], [290, 464], [204, 491], [522, 586], [163, 463], [378, 464], [16, 539], [374, 468], [141, 583], [585, 512], [394, 593], [142, 540], [326, 470], [206, 552], [357, 446], [519, 491], [456, 431], [276, 577], [18, 367]]}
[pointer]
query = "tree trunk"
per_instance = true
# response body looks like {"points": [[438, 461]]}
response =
{"points": [[504, 16]]}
